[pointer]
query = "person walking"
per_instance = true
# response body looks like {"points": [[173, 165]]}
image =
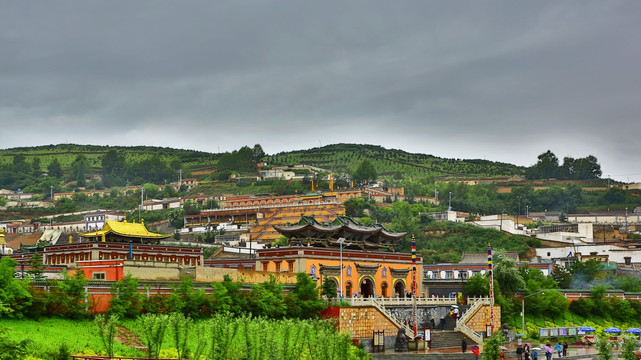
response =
{"points": [[558, 348], [548, 351], [526, 353], [519, 352], [565, 348], [464, 345], [443, 323], [432, 323], [476, 352]]}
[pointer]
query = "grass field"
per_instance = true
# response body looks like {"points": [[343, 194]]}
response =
{"points": [[47, 335], [222, 337]]}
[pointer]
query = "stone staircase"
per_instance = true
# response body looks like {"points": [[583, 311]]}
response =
{"points": [[449, 339]]}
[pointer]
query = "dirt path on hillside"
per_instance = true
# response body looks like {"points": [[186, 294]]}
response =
{"points": [[129, 338]]}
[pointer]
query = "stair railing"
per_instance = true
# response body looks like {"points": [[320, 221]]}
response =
{"points": [[390, 317], [461, 324]]}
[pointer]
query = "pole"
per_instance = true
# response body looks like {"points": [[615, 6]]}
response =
{"points": [[519, 213], [523, 309], [449, 204], [489, 267], [414, 285], [523, 315], [340, 242], [142, 190]]}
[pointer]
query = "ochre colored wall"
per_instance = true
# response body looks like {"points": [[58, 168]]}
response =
{"points": [[361, 322], [210, 274], [482, 318]]}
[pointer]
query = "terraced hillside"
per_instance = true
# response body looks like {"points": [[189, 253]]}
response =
{"points": [[66, 153], [389, 161]]}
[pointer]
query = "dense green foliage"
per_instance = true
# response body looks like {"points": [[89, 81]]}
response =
{"points": [[23, 167], [387, 162], [548, 167], [173, 336]]}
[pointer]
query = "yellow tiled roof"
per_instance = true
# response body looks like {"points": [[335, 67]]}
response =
{"points": [[125, 229]]}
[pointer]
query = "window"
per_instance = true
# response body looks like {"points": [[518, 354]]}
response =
{"points": [[265, 264], [291, 266], [449, 274], [277, 266], [98, 276]]}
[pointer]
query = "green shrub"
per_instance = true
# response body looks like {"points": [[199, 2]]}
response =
{"points": [[11, 349]]}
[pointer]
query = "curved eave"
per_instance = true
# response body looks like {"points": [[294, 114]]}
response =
{"points": [[290, 229], [144, 236], [395, 236]]}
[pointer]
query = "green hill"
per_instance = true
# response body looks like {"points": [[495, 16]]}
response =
{"points": [[66, 153], [347, 157]]}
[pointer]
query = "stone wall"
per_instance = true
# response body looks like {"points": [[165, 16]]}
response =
{"points": [[482, 318], [361, 322]]}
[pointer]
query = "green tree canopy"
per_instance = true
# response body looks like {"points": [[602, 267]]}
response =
{"points": [[365, 172]]}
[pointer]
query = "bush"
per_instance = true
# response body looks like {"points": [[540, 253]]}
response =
{"points": [[107, 329], [127, 301], [11, 349]]}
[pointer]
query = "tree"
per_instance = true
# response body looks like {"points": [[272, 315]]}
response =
{"points": [[329, 288], [11, 349], [114, 167], [604, 348], [507, 275], [79, 169], [267, 299], [14, 293], [54, 169], [491, 346], [36, 266], [186, 300], [628, 349], [68, 296], [546, 167], [562, 276], [365, 172], [35, 164], [258, 153], [303, 301], [478, 285], [127, 300]]}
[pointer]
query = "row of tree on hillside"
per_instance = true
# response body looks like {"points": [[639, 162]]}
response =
{"points": [[548, 167]]}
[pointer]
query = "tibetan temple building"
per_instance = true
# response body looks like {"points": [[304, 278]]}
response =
{"points": [[309, 232], [121, 240], [366, 270], [115, 231]]}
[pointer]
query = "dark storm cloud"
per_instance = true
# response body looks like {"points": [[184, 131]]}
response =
{"points": [[498, 80]]}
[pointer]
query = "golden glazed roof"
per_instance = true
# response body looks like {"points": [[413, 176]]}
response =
{"points": [[135, 230]]}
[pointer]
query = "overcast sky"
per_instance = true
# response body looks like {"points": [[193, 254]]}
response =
{"points": [[500, 80]]}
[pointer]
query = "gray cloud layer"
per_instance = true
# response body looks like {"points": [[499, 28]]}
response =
{"points": [[469, 79]]}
